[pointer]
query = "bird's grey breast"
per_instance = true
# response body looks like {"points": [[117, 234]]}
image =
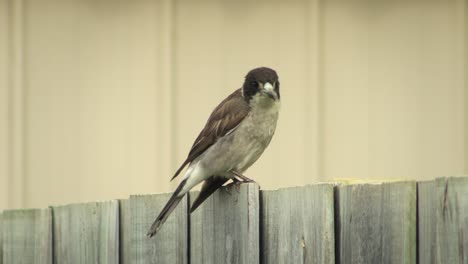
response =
{"points": [[255, 132]]}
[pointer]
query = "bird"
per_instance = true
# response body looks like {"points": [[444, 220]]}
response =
{"points": [[236, 134]]}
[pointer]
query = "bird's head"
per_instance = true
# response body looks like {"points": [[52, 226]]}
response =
{"points": [[262, 82]]}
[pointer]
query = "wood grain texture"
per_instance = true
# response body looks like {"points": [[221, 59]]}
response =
{"points": [[86, 233], [376, 223], [27, 236], [297, 225], [170, 244], [125, 235], [443, 220], [225, 228]]}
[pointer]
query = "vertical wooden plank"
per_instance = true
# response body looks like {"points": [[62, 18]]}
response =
{"points": [[297, 225], [225, 228], [376, 223], [86, 233], [27, 236], [443, 220], [125, 229], [170, 245]]}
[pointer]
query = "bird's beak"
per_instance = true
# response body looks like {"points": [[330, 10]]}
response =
{"points": [[269, 90]]}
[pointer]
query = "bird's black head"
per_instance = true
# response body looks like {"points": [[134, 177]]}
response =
{"points": [[261, 80]]}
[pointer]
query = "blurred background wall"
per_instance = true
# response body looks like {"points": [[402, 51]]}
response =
{"points": [[100, 99]]}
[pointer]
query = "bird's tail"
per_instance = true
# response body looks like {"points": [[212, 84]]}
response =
{"points": [[167, 210], [209, 187]]}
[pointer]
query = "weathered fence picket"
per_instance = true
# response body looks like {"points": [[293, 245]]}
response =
{"points": [[225, 228], [27, 236], [376, 223], [443, 221], [297, 225], [399, 222], [170, 245], [125, 235], [86, 233]]}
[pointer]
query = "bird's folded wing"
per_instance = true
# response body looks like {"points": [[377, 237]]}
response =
{"points": [[223, 120]]}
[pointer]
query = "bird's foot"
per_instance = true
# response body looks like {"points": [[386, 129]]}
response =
{"points": [[242, 177]]}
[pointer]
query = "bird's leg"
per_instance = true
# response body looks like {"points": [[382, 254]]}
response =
{"points": [[244, 178]]}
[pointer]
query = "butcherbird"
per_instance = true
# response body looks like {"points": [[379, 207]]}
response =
{"points": [[237, 132]]}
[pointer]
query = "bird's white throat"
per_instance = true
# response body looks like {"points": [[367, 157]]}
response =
{"points": [[264, 113], [261, 101]]}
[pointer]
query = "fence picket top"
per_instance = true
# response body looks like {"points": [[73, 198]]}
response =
{"points": [[297, 225], [376, 223], [26, 236], [93, 230], [170, 244], [225, 228], [443, 220]]}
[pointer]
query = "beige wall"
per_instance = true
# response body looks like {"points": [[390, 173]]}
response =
{"points": [[465, 51], [102, 99], [4, 162], [393, 88]]}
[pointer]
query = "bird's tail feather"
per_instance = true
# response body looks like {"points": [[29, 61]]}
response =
{"points": [[209, 187], [167, 210]]}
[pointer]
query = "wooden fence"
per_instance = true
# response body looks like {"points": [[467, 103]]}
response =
{"points": [[401, 222]]}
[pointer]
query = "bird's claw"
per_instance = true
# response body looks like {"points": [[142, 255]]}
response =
{"points": [[243, 177]]}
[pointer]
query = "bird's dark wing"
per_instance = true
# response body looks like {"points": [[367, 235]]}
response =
{"points": [[209, 187], [223, 120]]}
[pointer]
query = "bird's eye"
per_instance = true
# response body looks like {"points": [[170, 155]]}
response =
{"points": [[254, 84]]}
